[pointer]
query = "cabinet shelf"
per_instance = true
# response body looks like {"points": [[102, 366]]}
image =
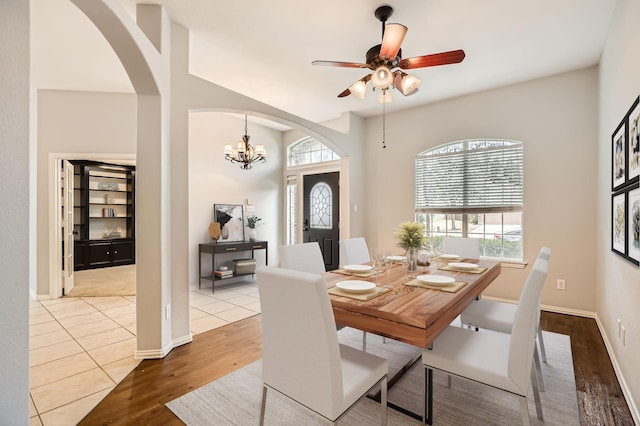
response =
{"points": [[94, 183]]}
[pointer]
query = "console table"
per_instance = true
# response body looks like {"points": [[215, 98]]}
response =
{"points": [[232, 247]]}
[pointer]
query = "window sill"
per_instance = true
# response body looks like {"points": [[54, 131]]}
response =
{"points": [[514, 264]]}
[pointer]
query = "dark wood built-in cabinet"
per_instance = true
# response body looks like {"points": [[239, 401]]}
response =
{"points": [[104, 214]]}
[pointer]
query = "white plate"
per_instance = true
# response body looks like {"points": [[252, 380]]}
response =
{"points": [[463, 265], [438, 280], [450, 256], [396, 258], [357, 268], [355, 286]]}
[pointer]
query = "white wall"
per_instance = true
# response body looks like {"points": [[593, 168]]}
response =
{"points": [[16, 228], [76, 123], [214, 180], [556, 118], [618, 281]]}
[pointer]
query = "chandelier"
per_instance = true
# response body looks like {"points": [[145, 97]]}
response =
{"points": [[245, 153]]}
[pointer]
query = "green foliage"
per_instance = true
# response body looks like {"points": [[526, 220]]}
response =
{"points": [[411, 235], [252, 221]]}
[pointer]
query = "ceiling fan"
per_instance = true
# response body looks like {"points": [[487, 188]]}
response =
{"points": [[387, 64]]}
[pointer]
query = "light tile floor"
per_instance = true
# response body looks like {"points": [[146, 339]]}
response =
{"points": [[81, 347]]}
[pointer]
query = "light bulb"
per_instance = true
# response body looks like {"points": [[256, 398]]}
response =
{"points": [[382, 77]]}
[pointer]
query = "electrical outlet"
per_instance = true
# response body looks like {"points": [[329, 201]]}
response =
{"points": [[624, 337], [561, 285], [167, 312]]}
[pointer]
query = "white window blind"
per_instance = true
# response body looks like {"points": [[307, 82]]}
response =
{"points": [[470, 176]]}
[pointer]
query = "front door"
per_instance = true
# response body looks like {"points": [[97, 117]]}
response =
{"points": [[321, 215]]}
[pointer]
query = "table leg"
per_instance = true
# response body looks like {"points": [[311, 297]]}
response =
{"points": [[199, 270]]}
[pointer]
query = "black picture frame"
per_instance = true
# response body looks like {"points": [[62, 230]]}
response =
{"points": [[618, 156], [618, 223], [624, 234], [633, 224], [633, 142], [231, 220]]}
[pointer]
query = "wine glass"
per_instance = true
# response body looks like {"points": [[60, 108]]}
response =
{"points": [[387, 264]]}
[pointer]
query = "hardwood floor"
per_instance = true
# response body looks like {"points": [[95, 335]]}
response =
{"points": [[140, 397], [600, 398]]}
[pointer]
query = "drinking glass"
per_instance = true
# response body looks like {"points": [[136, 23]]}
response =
{"points": [[387, 264]]}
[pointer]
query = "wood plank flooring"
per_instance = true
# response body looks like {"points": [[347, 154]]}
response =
{"points": [[140, 397]]}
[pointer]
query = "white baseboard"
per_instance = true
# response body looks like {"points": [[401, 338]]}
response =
{"points": [[161, 353], [633, 407]]}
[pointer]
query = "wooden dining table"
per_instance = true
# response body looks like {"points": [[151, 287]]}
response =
{"points": [[410, 314]]}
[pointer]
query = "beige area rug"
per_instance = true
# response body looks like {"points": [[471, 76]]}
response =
{"points": [[235, 398], [101, 282]]}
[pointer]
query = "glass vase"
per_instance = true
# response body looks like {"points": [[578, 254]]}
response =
{"points": [[412, 261]]}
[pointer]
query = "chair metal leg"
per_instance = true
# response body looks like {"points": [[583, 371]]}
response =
{"points": [[263, 404], [364, 341], [427, 415], [536, 393], [538, 367], [543, 353], [383, 402], [524, 409]]}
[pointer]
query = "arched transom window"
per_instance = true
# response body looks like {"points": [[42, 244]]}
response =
{"points": [[309, 151]]}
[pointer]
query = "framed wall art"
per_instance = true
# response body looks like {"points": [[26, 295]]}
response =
{"points": [[633, 143], [618, 223], [633, 225], [618, 160], [231, 220]]}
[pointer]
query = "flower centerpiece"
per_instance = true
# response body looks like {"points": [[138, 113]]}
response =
{"points": [[411, 238], [252, 222]]}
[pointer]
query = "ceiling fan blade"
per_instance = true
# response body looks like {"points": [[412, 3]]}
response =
{"points": [[444, 58], [391, 41], [346, 92], [340, 64]]}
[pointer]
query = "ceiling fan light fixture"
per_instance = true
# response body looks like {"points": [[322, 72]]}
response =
{"points": [[409, 84], [382, 77], [385, 96], [359, 89]]}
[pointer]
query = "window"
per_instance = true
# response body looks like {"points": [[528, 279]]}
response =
{"points": [[474, 189], [321, 199], [309, 151], [292, 209]]}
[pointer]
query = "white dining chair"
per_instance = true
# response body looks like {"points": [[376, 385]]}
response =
{"points": [[354, 251], [468, 248], [305, 257], [302, 358], [503, 361], [499, 316]]}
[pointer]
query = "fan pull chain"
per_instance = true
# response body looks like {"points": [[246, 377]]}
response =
{"points": [[384, 127]]}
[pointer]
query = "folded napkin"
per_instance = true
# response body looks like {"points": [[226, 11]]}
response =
{"points": [[451, 288], [359, 296], [369, 273], [477, 270]]}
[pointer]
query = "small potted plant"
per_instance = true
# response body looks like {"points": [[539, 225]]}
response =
{"points": [[252, 222], [411, 238]]}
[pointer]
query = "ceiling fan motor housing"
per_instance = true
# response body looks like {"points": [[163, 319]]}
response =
{"points": [[374, 61]]}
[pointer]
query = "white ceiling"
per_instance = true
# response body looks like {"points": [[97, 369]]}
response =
{"points": [[264, 49]]}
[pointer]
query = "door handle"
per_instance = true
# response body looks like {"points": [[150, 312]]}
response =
{"points": [[305, 226]]}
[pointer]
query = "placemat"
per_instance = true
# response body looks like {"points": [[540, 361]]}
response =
{"points": [[366, 274], [359, 296], [478, 270], [451, 288]]}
